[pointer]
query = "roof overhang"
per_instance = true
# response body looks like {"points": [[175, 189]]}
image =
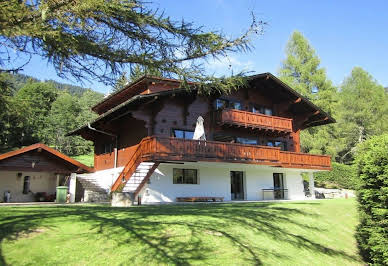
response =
{"points": [[80, 168]]}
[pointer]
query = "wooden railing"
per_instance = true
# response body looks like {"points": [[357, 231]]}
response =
{"points": [[164, 148], [159, 149], [294, 159], [248, 119]]}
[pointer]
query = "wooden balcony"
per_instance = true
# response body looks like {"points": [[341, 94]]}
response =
{"points": [[253, 120], [174, 149]]}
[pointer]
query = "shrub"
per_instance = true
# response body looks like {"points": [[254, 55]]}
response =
{"points": [[342, 176], [372, 170]]}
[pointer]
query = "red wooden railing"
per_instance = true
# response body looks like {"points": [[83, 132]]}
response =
{"points": [[159, 149], [295, 159], [248, 119]]}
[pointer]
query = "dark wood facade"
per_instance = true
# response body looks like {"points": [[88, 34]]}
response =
{"points": [[153, 108]]}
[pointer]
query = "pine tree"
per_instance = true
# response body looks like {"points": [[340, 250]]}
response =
{"points": [[99, 39]]}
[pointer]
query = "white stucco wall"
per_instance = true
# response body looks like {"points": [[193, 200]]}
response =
{"points": [[39, 182], [214, 180]]}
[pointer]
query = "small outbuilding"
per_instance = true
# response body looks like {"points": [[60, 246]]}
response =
{"points": [[33, 173]]}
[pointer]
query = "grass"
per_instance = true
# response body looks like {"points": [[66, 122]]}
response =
{"points": [[86, 159], [291, 233]]}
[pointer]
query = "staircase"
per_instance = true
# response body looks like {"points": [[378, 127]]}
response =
{"points": [[92, 183], [138, 176]]}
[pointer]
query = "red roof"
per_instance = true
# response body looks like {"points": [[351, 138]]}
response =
{"points": [[49, 150]]}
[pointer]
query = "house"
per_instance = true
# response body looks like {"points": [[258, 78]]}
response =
{"points": [[143, 140], [33, 173]]}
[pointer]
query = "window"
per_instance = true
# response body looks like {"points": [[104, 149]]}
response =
{"points": [[267, 111], [222, 104], [235, 105], [261, 110], [183, 134], [281, 144], [107, 148], [185, 176], [247, 141], [26, 185]]}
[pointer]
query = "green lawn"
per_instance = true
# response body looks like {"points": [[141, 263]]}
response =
{"points": [[291, 233], [86, 159]]}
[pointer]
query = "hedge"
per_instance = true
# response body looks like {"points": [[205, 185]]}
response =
{"points": [[372, 170], [342, 176]]}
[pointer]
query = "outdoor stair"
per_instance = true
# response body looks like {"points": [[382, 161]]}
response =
{"points": [[136, 172], [138, 176], [91, 183]]}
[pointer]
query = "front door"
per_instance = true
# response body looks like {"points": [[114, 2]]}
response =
{"points": [[278, 184], [237, 185]]}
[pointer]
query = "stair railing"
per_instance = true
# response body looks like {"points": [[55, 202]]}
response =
{"points": [[129, 169]]}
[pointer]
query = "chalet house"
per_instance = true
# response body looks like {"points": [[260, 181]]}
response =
{"points": [[143, 141], [33, 173]]}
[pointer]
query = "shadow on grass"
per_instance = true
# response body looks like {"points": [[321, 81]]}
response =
{"points": [[152, 225]]}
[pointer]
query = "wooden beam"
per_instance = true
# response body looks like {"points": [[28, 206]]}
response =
{"points": [[298, 100]]}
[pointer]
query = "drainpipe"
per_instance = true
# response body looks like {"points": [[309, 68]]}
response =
{"points": [[109, 134]]}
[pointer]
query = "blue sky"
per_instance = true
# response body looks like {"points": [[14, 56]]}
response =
{"points": [[343, 33]]}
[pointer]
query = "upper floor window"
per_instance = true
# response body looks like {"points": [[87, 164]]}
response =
{"points": [[183, 134], [185, 176], [246, 141], [222, 104], [281, 144], [258, 109], [235, 105]]}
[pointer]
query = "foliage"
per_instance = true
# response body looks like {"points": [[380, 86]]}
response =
{"points": [[86, 159], [342, 176], [362, 112], [12, 120], [38, 112], [289, 233], [372, 170], [98, 39], [301, 71], [360, 106], [36, 99]]}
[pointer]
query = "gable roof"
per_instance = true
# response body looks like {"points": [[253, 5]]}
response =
{"points": [[39, 146], [124, 106], [130, 90]]}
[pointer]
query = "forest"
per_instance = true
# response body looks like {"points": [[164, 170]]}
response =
{"points": [[44, 111]]}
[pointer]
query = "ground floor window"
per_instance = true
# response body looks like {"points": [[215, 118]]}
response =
{"points": [[278, 184], [185, 176], [26, 185]]}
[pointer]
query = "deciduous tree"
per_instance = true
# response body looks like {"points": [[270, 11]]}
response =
{"points": [[302, 72]]}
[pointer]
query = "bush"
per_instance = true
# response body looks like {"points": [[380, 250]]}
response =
{"points": [[342, 176], [372, 170]]}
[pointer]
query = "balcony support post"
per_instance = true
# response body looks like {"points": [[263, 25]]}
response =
{"points": [[311, 184]]}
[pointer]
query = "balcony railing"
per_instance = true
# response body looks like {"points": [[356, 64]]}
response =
{"points": [[174, 149], [253, 120]]}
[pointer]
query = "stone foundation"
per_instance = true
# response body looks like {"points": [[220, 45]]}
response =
{"points": [[93, 196], [122, 199]]}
